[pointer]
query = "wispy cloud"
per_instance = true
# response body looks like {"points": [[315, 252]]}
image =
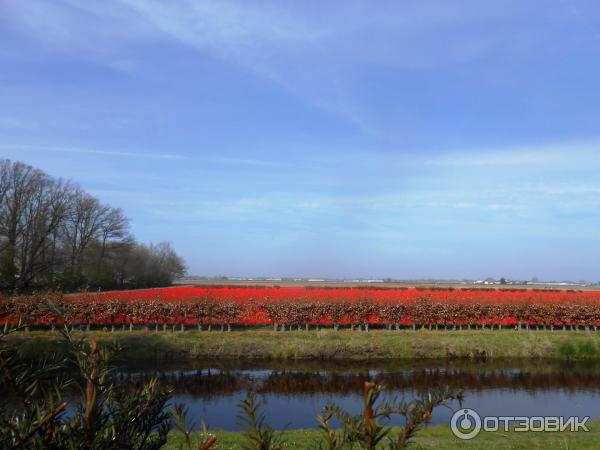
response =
{"points": [[574, 155], [322, 58], [91, 151], [250, 162]]}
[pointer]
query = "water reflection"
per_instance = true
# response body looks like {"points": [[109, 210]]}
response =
{"points": [[296, 391], [214, 378]]}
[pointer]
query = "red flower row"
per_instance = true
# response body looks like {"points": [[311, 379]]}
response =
{"points": [[299, 305]]}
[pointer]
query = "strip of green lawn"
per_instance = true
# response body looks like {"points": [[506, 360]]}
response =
{"points": [[329, 344], [435, 437]]}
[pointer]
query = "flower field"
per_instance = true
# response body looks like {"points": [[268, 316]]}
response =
{"points": [[306, 307]]}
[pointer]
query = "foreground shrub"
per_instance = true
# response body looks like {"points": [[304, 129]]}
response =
{"points": [[104, 416]]}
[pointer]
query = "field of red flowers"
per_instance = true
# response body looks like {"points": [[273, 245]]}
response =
{"points": [[303, 307]]}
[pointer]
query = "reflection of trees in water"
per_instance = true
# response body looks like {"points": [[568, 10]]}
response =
{"points": [[208, 384], [204, 384], [423, 381]]}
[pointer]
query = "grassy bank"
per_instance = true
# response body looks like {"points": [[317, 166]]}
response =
{"points": [[329, 344], [438, 437]]}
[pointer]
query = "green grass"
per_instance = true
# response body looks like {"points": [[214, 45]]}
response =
{"points": [[343, 344], [438, 437]]}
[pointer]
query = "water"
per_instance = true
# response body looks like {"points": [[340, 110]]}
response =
{"points": [[295, 392]]}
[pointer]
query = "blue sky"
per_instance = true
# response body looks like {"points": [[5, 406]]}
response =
{"points": [[332, 139]]}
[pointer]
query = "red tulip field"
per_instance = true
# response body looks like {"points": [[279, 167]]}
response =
{"points": [[306, 307]]}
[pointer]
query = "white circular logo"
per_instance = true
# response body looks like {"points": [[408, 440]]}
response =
{"points": [[465, 424]]}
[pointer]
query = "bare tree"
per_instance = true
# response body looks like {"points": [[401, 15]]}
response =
{"points": [[114, 226], [83, 224], [54, 233], [23, 187], [43, 215], [5, 168]]}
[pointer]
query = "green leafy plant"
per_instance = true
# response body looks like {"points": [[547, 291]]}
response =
{"points": [[335, 439], [370, 430], [207, 440], [258, 435], [105, 416]]}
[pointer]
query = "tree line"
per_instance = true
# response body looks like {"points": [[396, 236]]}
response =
{"points": [[55, 235]]}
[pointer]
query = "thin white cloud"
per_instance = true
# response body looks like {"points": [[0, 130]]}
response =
{"points": [[576, 155], [249, 162], [317, 52], [464, 205], [91, 151]]}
